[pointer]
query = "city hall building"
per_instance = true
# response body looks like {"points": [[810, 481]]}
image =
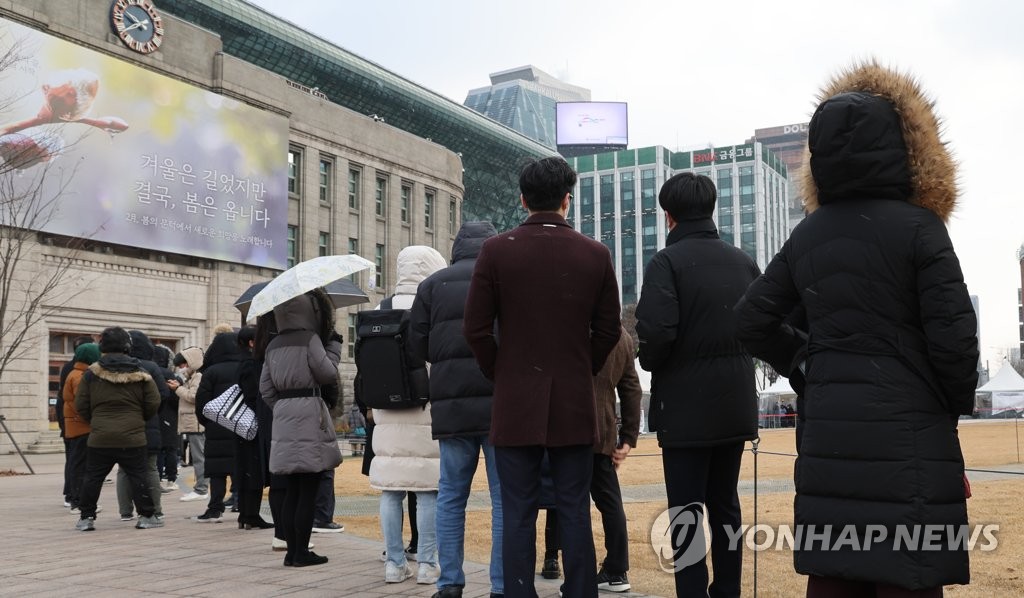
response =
{"points": [[164, 157], [617, 202]]}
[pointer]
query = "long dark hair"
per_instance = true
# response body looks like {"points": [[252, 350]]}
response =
{"points": [[266, 329], [324, 309]]}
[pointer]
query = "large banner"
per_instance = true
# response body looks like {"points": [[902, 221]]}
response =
{"points": [[150, 161]]}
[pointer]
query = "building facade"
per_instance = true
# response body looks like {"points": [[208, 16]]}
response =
{"points": [[523, 99], [349, 184], [616, 202], [788, 142]]}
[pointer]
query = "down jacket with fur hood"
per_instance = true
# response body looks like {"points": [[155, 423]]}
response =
{"points": [[116, 396], [297, 362], [891, 353], [406, 457]]}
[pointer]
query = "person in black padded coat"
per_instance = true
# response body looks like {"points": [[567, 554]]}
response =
{"points": [[252, 457], [220, 372], [891, 354]]}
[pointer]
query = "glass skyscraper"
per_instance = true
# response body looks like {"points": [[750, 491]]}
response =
{"points": [[617, 202], [523, 99]]}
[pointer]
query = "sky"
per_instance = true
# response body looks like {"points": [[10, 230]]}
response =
{"points": [[699, 73]]}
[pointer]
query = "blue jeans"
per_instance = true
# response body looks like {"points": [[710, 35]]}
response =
{"points": [[459, 458], [391, 526]]}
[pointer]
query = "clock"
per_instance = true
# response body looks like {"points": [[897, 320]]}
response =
{"points": [[138, 24]]}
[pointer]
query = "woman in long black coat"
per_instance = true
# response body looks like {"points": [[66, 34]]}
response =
{"points": [[252, 457], [891, 355], [220, 372]]}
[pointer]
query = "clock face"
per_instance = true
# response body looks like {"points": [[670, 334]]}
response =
{"points": [[138, 25]]}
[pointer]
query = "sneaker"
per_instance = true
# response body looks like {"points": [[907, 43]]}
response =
{"points": [[209, 517], [167, 486], [75, 510], [127, 517], [193, 496], [66, 504], [612, 582], [384, 556], [427, 574], [149, 522], [410, 551], [85, 524], [550, 569], [329, 527], [396, 573], [279, 545]]}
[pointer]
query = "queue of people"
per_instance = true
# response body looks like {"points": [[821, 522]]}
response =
{"points": [[515, 351]]}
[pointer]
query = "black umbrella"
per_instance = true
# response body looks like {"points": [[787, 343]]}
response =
{"points": [[343, 293]]}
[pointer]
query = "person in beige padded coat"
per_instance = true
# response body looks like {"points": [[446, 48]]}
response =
{"points": [[189, 361], [406, 457]]}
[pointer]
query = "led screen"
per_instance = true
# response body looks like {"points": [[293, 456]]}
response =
{"points": [[591, 123], [137, 158]]}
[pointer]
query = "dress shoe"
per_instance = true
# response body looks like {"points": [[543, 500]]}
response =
{"points": [[448, 592], [308, 559]]}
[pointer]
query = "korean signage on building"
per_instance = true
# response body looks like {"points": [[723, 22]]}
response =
{"points": [[146, 160]]}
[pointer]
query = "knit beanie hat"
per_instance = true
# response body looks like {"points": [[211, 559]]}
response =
{"points": [[115, 340], [88, 353]]}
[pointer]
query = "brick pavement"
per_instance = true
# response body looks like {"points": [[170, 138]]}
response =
{"points": [[43, 555]]}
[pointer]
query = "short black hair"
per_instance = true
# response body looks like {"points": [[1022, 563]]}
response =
{"points": [[81, 340], [688, 196], [246, 334], [544, 183]]}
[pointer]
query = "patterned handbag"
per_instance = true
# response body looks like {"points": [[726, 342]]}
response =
{"points": [[229, 411]]}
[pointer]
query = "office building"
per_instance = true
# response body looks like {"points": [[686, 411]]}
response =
{"points": [[616, 202], [788, 142], [523, 99]]}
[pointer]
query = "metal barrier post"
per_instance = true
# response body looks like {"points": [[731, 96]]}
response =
{"points": [[3, 422], [753, 449]]}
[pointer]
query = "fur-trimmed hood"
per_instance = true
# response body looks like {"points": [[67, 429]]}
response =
{"points": [[851, 149], [118, 377]]}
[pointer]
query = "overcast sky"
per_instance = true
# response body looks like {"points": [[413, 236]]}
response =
{"points": [[698, 73]]}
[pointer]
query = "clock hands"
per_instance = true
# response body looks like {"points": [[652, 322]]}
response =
{"points": [[136, 23]]}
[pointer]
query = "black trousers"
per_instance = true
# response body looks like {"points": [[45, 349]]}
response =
{"points": [[519, 470], [297, 511], [218, 489], [99, 462], [76, 456], [276, 499], [708, 475], [604, 489]]}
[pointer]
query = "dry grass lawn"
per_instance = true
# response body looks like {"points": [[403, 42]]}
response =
{"points": [[996, 573]]}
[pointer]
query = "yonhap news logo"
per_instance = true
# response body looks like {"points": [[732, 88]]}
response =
{"points": [[681, 537]]}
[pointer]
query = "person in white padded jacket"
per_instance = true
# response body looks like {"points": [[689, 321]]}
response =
{"points": [[406, 457]]}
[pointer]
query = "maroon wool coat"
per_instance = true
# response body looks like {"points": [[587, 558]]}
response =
{"points": [[553, 294]]}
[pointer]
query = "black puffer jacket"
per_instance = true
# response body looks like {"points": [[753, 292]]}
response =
{"points": [[460, 395], [220, 371], [702, 383], [168, 405], [892, 353], [142, 349]]}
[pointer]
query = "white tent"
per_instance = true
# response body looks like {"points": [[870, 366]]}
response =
{"points": [[781, 388], [1007, 388], [645, 385]]}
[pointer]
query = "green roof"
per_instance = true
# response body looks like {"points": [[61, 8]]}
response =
{"points": [[491, 153]]}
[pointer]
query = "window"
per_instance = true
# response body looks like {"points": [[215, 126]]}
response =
{"points": [[293, 237], [352, 336], [294, 171], [354, 176], [325, 181], [404, 209], [353, 249], [378, 271], [380, 196], [607, 195], [648, 197], [452, 213], [324, 244], [428, 209]]}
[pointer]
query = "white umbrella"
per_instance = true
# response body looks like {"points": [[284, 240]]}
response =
{"points": [[303, 277]]}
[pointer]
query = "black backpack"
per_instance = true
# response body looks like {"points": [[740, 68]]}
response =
{"points": [[389, 376]]}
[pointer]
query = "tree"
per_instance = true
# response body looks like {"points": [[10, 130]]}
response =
{"points": [[36, 276]]}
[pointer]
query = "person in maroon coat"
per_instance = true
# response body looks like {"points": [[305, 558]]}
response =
{"points": [[541, 317]]}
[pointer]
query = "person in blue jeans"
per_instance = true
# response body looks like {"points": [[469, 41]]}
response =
{"points": [[460, 399]]}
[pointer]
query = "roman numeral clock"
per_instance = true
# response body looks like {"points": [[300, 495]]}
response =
{"points": [[138, 24]]}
